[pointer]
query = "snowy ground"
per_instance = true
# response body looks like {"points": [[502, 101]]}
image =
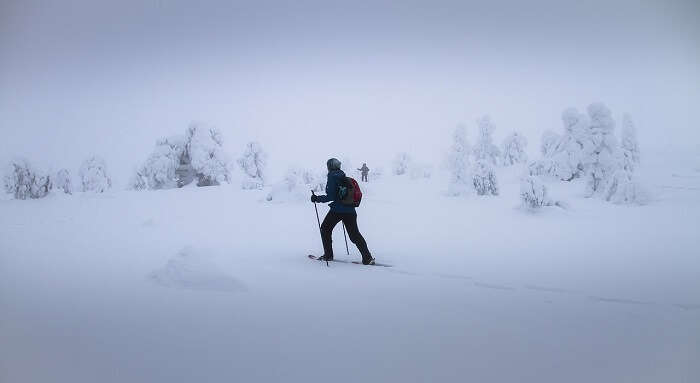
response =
{"points": [[213, 285]]}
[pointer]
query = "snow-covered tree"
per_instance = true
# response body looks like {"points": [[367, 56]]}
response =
{"points": [[296, 186], [513, 149], [533, 193], [23, 181], [458, 163], [205, 154], [484, 178], [401, 164], [253, 163], [601, 164], [565, 156], [624, 188], [94, 176], [160, 169], [485, 150], [63, 181], [576, 145], [550, 142], [629, 146]]}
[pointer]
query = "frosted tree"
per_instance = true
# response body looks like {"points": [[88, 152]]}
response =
{"points": [[160, 169], [550, 143], [62, 181], [513, 149], [485, 150], [253, 163], [564, 156], [601, 165], [484, 178], [533, 193], [629, 146], [623, 187], [458, 163], [295, 186], [576, 146], [205, 154], [401, 164], [24, 181], [94, 176], [315, 181]]}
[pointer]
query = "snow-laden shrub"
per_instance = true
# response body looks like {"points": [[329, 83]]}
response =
{"points": [[629, 146], [550, 142], [552, 167], [206, 156], [458, 164], [484, 178], [160, 169], [138, 181], [513, 149], [296, 186], [24, 181], [602, 163], [94, 176], [485, 150], [533, 193], [401, 164], [253, 163], [63, 181]]}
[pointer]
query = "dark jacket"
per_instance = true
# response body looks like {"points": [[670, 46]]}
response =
{"points": [[334, 179]]}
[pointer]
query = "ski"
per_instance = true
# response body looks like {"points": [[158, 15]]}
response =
{"points": [[315, 258]]}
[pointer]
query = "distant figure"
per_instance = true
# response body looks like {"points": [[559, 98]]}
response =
{"points": [[339, 212], [364, 169]]}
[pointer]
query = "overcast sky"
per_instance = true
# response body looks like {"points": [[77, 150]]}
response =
{"points": [[353, 79]]}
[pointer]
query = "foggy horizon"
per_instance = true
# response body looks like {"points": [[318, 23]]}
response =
{"points": [[80, 78]]}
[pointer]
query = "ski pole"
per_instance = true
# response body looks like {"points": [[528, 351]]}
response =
{"points": [[346, 240], [319, 221]]}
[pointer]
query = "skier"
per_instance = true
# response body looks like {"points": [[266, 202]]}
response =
{"points": [[364, 169], [339, 212]]}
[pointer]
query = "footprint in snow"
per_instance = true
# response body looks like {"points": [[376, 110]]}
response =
{"points": [[193, 270]]}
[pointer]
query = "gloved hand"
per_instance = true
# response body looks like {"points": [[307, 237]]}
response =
{"points": [[314, 198]]}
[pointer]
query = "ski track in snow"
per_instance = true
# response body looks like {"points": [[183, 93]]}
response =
{"points": [[543, 290]]}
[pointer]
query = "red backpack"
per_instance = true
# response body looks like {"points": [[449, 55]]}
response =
{"points": [[350, 193]]}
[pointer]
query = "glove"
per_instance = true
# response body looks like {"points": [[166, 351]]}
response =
{"points": [[314, 198]]}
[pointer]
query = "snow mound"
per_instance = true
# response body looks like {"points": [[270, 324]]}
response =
{"points": [[190, 269]]}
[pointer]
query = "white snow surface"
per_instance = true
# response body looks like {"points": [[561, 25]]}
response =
{"points": [[213, 284]]}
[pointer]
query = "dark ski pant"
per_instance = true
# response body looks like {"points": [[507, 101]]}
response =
{"points": [[364, 177], [350, 221]]}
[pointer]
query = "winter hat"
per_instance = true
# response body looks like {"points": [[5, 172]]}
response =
{"points": [[333, 164]]}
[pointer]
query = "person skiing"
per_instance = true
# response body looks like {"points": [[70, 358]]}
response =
{"points": [[339, 212], [364, 169]]}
